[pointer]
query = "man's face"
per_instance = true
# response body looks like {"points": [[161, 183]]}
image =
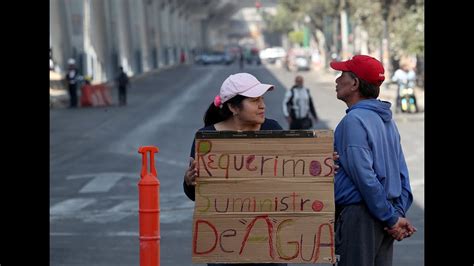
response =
{"points": [[299, 81], [344, 86]]}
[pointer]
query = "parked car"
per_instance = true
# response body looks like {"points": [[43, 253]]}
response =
{"points": [[298, 63], [253, 56], [213, 58], [302, 63], [272, 54]]}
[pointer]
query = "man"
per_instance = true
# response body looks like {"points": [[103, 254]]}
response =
{"points": [[51, 62], [298, 105], [405, 77], [72, 78], [122, 81], [241, 59], [372, 186]]}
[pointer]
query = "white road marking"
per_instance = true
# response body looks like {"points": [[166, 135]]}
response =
{"points": [[172, 162], [171, 213], [70, 206], [62, 234], [123, 233], [114, 214], [102, 182], [108, 234], [125, 206]]}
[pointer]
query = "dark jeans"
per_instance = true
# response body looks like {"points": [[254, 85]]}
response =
{"points": [[122, 95], [72, 95], [303, 123]]}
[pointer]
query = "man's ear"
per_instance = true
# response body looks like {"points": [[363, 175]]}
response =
{"points": [[356, 82]]}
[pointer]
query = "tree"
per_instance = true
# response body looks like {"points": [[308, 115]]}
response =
{"points": [[296, 37], [291, 12], [400, 22], [281, 22], [408, 32]]}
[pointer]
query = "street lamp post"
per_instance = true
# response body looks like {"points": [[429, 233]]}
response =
{"points": [[306, 36], [384, 45], [344, 29]]}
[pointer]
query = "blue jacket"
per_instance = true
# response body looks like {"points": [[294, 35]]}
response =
{"points": [[372, 165]]}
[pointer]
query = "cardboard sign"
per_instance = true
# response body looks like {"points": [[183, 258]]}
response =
{"points": [[264, 196]]}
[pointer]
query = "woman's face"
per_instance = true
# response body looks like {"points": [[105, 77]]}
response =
{"points": [[252, 111]]}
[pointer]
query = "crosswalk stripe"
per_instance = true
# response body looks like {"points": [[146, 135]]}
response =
{"points": [[125, 206], [108, 234], [70, 206], [102, 183], [116, 213]]}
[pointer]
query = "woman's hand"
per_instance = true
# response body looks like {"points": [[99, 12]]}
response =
{"points": [[191, 173], [335, 157]]}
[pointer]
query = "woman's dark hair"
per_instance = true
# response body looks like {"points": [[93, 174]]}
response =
{"points": [[215, 114], [366, 89]]}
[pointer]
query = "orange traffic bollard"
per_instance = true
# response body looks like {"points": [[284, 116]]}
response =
{"points": [[149, 210]]}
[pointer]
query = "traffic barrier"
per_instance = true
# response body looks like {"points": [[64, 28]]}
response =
{"points": [[149, 210], [95, 95]]}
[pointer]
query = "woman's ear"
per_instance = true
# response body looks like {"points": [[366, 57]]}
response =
{"points": [[232, 108]]}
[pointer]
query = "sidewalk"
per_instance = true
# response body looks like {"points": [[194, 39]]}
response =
{"points": [[59, 97]]}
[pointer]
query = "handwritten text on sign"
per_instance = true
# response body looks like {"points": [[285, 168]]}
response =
{"points": [[264, 200]]}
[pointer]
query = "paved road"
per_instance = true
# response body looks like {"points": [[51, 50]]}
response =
{"points": [[95, 164]]}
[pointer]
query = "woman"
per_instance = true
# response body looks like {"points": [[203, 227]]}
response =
{"points": [[239, 106]]}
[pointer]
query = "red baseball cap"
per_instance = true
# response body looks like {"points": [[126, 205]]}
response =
{"points": [[364, 66]]}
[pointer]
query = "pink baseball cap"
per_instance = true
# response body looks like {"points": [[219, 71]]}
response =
{"points": [[364, 66], [243, 84]]}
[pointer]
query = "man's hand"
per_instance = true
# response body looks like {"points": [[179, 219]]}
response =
{"points": [[335, 158], [402, 229]]}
